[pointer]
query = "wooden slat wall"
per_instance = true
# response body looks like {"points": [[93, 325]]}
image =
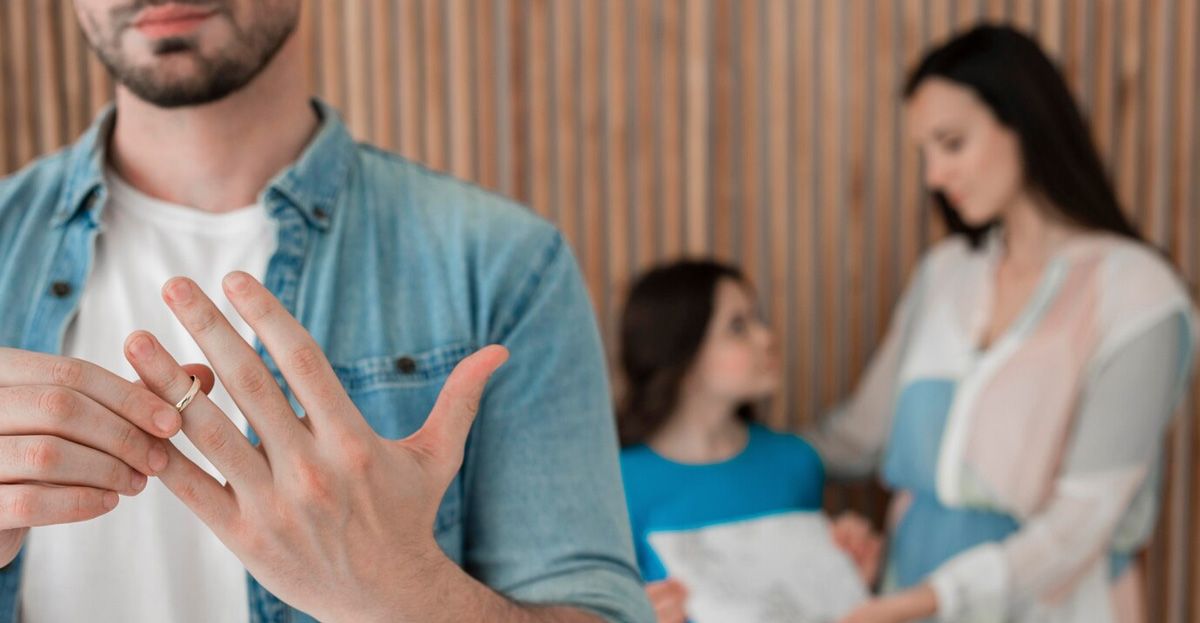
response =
{"points": [[767, 132]]}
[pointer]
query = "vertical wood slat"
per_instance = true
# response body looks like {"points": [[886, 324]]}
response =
{"points": [[460, 129], [593, 182], [767, 132], [669, 121], [696, 154], [723, 92], [352, 41], [8, 160], [643, 174], [74, 90], [803, 339], [383, 88], [22, 55], [779, 305], [616, 113], [49, 53], [745, 208], [538, 174], [565, 120]]}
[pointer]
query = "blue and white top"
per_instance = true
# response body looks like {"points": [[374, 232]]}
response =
{"points": [[775, 473]]}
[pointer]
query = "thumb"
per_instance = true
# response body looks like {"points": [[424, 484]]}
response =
{"points": [[445, 431]]}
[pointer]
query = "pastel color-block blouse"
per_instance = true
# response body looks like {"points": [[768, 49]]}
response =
{"points": [[1027, 473]]}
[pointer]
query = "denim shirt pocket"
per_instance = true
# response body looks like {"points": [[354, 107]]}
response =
{"points": [[395, 394]]}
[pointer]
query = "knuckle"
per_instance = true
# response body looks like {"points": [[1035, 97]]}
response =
{"points": [[57, 403], [306, 360], [129, 442], [214, 439], [21, 506], [135, 401], [356, 456], [86, 503], [40, 454], [64, 371], [204, 321], [118, 476], [251, 380], [188, 492], [257, 310], [314, 485]]}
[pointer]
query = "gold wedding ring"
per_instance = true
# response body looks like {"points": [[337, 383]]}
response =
{"points": [[191, 395]]}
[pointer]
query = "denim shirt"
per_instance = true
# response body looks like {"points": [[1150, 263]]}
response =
{"points": [[398, 273]]}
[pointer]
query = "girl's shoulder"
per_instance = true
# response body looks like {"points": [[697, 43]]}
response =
{"points": [[783, 447]]}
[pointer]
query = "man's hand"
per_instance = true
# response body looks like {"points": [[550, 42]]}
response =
{"points": [[72, 437], [327, 515]]}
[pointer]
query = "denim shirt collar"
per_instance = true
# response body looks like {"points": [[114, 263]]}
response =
{"points": [[310, 184]]}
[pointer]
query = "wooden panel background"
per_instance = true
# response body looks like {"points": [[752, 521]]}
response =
{"points": [[768, 132]]}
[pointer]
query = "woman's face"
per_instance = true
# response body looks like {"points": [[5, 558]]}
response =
{"points": [[969, 156], [738, 360]]}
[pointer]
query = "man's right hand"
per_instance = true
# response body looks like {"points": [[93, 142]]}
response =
{"points": [[72, 437]]}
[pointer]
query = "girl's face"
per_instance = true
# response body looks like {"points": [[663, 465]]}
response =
{"points": [[969, 156], [738, 360]]}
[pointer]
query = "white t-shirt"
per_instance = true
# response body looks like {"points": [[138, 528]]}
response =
{"points": [[150, 559]]}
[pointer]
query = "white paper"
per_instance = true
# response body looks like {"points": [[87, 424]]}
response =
{"points": [[776, 568]]}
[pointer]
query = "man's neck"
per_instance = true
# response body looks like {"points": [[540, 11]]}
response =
{"points": [[219, 156]]}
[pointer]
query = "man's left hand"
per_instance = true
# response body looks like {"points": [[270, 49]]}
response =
{"points": [[326, 514]]}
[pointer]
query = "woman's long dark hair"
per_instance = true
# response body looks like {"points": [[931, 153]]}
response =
{"points": [[663, 326], [1026, 93]]}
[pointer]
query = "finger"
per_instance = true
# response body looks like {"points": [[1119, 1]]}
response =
{"points": [[668, 608], [445, 431], [136, 404], [304, 366], [53, 460], [239, 367], [212, 503], [666, 588], [209, 428], [62, 412], [837, 533], [673, 613], [32, 505]]}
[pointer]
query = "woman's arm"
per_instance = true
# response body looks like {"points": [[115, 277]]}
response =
{"points": [[851, 438]]}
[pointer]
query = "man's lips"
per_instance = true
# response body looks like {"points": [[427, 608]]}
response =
{"points": [[171, 20]]}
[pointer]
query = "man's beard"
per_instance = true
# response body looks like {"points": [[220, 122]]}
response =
{"points": [[212, 77]]}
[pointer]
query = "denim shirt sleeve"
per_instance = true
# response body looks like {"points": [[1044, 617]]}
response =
{"points": [[546, 519]]}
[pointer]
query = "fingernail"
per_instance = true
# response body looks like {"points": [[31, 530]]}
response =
{"points": [[158, 458], [110, 500], [137, 482], [167, 421], [237, 281], [179, 291], [141, 347]]}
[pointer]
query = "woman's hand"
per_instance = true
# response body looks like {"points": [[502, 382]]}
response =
{"points": [[669, 598], [914, 604], [854, 536]]}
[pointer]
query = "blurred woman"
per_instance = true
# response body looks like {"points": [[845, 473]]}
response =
{"points": [[1018, 404]]}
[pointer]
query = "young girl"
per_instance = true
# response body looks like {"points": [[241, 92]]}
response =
{"points": [[696, 357]]}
